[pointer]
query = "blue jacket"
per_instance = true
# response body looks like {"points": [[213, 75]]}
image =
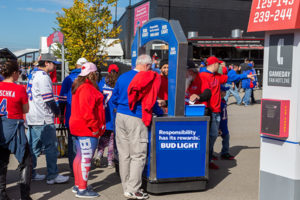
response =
{"points": [[65, 95], [12, 136], [234, 77], [248, 83], [202, 69], [120, 97]]}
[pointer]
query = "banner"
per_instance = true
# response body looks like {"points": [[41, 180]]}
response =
{"points": [[141, 15], [56, 37]]}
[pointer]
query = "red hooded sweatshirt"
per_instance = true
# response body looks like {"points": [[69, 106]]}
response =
{"points": [[213, 82], [87, 111], [144, 87]]}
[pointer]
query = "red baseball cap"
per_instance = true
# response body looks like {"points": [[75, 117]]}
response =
{"points": [[113, 67], [212, 60]]}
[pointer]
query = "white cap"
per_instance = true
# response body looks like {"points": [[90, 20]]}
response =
{"points": [[81, 61]]}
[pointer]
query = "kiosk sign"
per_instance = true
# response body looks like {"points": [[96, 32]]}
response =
{"points": [[269, 15], [184, 139], [187, 139], [280, 60]]}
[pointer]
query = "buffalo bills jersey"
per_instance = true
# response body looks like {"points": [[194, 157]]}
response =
{"points": [[110, 115]]}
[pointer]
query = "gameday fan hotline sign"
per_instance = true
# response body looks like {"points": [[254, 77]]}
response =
{"points": [[141, 15], [267, 15]]}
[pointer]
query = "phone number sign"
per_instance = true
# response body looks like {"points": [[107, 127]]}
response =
{"points": [[267, 15]]}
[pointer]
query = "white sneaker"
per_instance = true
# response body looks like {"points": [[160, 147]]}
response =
{"points": [[129, 195], [38, 177], [58, 179]]}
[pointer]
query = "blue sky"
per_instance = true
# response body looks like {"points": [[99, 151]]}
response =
{"points": [[23, 22]]}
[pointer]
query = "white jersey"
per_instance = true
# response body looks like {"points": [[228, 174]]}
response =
{"points": [[39, 90]]}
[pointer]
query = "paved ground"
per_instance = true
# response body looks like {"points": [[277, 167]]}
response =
{"points": [[235, 180]]}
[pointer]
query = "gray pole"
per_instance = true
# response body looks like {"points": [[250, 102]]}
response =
{"points": [[63, 63], [116, 13]]}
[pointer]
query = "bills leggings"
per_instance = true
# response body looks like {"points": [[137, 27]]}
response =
{"points": [[85, 147], [107, 140]]}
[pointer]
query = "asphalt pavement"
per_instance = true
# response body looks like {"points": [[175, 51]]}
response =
{"points": [[235, 180]]}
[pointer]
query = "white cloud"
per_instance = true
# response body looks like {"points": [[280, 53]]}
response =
{"points": [[40, 10], [62, 2], [67, 3]]}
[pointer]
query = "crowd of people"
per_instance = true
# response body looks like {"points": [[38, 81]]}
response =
{"points": [[113, 112]]}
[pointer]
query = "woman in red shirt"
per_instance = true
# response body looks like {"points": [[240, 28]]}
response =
{"points": [[87, 122], [13, 104]]}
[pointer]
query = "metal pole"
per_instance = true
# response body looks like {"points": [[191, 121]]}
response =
{"points": [[63, 63], [116, 13], [169, 10]]}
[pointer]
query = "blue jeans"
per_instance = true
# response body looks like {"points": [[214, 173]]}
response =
{"points": [[247, 96], [43, 136], [234, 91], [213, 132], [225, 144], [71, 149]]}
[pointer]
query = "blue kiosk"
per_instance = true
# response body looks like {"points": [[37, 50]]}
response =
{"points": [[178, 144]]}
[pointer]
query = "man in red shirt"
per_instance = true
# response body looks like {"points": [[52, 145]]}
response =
{"points": [[193, 92], [224, 68], [163, 90], [212, 80]]}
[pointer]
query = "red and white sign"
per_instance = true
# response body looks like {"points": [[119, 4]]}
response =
{"points": [[267, 15], [141, 15], [56, 37]]}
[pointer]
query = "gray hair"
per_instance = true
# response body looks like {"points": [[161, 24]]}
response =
{"points": [[143, 59]]}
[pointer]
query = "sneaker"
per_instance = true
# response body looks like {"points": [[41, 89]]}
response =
{"points": [[75, 188], [97, 162], [58, 179], [214, 157], [128, 195], [213, 166], [87, 194], [227, 156], [140, 195], [111, 165], [38, 177]]}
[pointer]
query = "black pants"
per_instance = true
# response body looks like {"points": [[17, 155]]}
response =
{"points": [[24, 169], [252, 97]]}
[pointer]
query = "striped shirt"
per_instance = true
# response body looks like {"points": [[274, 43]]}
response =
{"points": [[39, 90]]}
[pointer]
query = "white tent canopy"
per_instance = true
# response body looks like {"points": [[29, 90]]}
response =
{"points": [[114, 50], [23, 52]]}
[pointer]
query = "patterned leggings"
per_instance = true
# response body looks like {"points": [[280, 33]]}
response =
{"points": [[86, 147], [107, 139]]}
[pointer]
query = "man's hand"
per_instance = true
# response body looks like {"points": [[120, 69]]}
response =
{"points": [[251, 76], [95, 133], [233, 86], [194, 97], [161, 103]]}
